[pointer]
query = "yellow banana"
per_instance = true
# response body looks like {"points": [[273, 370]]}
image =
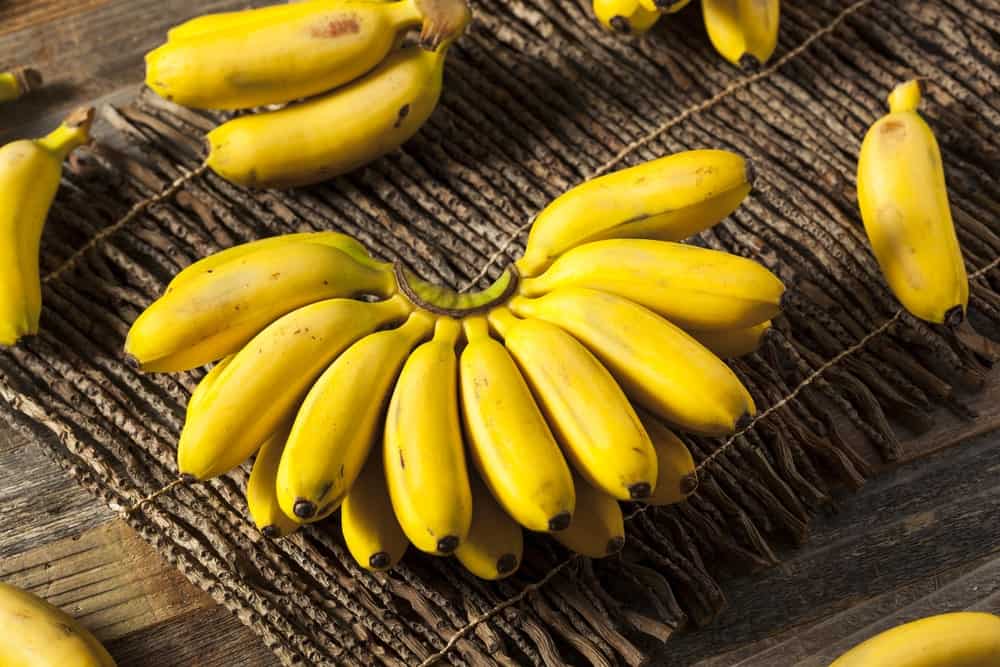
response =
{"points": [[695, 288], [598, 527], [744, 32], [340, 420], [198, 395], [904, 205], [664, 6], [37, 634], [424, 454], [961, 639], [659, 366], [628, 17], [18, 82], [371, 531], [510, 443], [30, 171], [733, 343], [676, 477], [211, 23], [495, 543], [669, 199], [588, 412], [216, 313], [262, 496]]}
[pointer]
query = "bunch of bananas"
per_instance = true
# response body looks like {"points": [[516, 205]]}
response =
{"points": [[18, 82], [367, 93], [558, 381], [744, 32]]}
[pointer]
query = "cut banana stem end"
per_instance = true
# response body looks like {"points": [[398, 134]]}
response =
{"points": [[444, 21], [19, 82]]}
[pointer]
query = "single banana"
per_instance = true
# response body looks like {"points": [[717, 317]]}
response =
{"points": [[37, 634], [660, 366], [733, 343], [262, 496], [695, 288], [18, 82], [676, 477], [340, 419], [30, 171], [200, 391], [664, 6], [960, 639], [598, 527], [371, 531], [424, 454], [510, 443], [669, 199], [628, 17], [904, 205], [495, 543], [218, 312], [588, 412], [266, 381], [744, 32], [211, 23]]}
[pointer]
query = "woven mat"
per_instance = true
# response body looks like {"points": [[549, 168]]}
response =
{"points": [[538, 99]]}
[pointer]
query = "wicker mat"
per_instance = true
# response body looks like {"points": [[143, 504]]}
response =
{"points": [[538, 99]]}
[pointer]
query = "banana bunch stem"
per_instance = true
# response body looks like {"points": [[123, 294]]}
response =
{"points": [[18, 82]]}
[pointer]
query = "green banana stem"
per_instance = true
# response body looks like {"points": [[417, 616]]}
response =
{"points": [[446, 301]]}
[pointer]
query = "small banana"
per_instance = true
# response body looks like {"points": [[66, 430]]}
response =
{"points": [[510, 443], [262, 497], [660, 367], [744, 32], [628, 17], [35, 633], [424, 454], [371, 531], [598, 527], [339, 420], [733, 343], [904, 204], [695, 288], [18, 82], [664, 6], [217, 312], [201, 390], [669, 199], [30, 171], [495, 543], [265, 382], [588, 412], [676, 476]]}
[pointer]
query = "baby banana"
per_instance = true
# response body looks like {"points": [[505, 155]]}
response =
{"points": [[371, 531], [18, 82], [676, 477], [669, 199], [744, 32], [340, 420], [628, 17], [589, 413], [493, 548], [217, 312], [695, 288], [904, 205], [200, 391], [30, 170], [598, 527], [262, 498], [510, 443], [659, 366], [733, 343], [424, 454], [265, 382]]}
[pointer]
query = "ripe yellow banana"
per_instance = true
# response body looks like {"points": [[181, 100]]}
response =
{"points": [[744, 32], [676, 477], [598, 527], [340, 420], [424, 454], [669, 199], [904, 205], [588, 412], [200, 391], [659, 366], [266, 381], [695, 288], [495, 543], [262, 496], [216, 313], [509, 441], [628, 17], [371, 531], [733, 343], [664, 6], [29, 178], [961, 639], [37, 634], [18, 82]]}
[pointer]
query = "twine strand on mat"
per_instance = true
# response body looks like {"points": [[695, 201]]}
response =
{"points": [[153, 496]]}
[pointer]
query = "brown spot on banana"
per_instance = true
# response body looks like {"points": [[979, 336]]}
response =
{"points": [[330, 29], [404, 111]]}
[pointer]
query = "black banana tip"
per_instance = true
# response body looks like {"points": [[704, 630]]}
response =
{"points": [[743, 421], [689, 483], [506, 564], [616, 544], [304, 509], [954, 316], [380, 561], [640, 491], [188, 478], [749, 62], [133, 362], [560, 521], [621, 24], [447, 545], [270, 532]]}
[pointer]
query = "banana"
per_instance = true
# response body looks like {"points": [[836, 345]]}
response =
{"points": [[495, 543], [371, 531], [266, 381], [510, 443], [424, 454], [598, 527], [36, 633], [904, 204], [960, 639], [18, 82], [669, 199], [30, 171], [588, 412], [695, 288], [262, 498], [664, 6], [676, 475], [628, 17], [198, 395], [660, 367], [340, 418], [744, 32], [733, 343], [218, 312]]}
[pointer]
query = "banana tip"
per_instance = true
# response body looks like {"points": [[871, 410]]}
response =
{"points": [[447, 545], [744, 421], [560, 521], [133, 362], [621, 25], [380, 561], [749, 62], [954, 316], [689, 483], [506, 564], [270, 532], [640, 490], [82, 117], [304, 509], [616, 544], [188, 478]]}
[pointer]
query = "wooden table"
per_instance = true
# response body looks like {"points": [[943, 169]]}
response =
{"points": [[920, 538]]}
